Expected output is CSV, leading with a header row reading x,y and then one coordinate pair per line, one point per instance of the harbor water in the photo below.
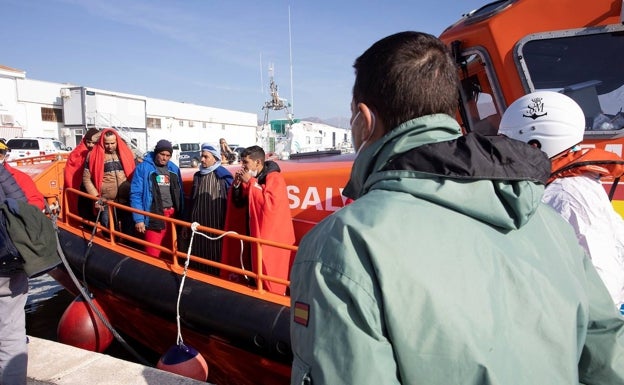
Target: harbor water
x,y
47,301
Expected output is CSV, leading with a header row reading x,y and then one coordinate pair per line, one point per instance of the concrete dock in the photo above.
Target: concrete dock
x,y
53,363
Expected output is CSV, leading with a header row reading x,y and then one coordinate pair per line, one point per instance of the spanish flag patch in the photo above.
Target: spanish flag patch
x,y
302,313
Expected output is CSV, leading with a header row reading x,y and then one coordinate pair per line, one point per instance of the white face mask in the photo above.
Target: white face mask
x,y
369,135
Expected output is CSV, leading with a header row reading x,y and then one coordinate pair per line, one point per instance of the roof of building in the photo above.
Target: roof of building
x,y
12,71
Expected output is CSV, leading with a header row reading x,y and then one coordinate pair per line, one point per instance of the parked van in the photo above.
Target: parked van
x,y
27,147
190,154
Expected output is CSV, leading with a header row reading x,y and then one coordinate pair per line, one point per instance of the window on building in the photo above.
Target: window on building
x,y
153,123
204,125
51,114
181,123
78,135
191,123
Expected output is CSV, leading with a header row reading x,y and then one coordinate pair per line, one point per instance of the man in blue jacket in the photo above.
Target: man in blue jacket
x,y
157,188
447,268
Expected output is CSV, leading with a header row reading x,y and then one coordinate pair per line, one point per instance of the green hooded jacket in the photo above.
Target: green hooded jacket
x,y
447,269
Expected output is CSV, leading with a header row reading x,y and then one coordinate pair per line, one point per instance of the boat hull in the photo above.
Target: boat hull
x,y
244,339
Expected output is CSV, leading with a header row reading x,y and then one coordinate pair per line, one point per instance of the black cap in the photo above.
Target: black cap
x,y
163,145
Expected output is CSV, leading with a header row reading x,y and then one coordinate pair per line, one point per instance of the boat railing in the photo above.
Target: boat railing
x,y
116,237
39,159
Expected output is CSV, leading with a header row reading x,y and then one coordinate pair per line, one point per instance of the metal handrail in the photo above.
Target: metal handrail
x,y
115,234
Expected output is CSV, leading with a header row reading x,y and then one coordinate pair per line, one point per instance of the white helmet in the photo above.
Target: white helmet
x,y
554,121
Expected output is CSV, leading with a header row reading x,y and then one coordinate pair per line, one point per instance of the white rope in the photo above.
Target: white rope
x,y
240,257
194,227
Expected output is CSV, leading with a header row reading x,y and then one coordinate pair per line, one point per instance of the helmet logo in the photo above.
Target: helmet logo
x,y
536,109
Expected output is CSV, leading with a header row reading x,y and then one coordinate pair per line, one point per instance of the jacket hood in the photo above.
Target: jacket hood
x,y
493,179
269,167
149,158
413,133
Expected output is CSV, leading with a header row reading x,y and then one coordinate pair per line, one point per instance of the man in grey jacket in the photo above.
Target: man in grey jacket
x,y
447,268
13,294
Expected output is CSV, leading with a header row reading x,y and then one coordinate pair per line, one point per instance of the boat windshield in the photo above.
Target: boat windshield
x,y
585,65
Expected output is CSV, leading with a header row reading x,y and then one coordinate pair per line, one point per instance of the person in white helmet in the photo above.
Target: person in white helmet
x,y
555,123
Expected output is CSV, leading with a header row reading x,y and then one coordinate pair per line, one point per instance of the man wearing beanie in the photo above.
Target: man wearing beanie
x,y
156,188
208,203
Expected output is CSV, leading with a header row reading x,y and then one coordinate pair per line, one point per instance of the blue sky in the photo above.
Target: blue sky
x,y
212,52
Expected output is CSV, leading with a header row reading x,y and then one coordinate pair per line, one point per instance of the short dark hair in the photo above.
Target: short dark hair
x,y
405,76
255,153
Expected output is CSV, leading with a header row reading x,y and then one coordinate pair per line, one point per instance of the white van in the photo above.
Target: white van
x,y
27,147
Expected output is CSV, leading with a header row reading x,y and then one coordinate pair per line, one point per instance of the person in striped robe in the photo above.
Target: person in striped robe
x,y
208,204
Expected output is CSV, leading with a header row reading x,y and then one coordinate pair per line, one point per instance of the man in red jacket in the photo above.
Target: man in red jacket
x,y
25,182
258,207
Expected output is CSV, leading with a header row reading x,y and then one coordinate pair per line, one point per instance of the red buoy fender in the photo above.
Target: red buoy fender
x,y
81,327
185,361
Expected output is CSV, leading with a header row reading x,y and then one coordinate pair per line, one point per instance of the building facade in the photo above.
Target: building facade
x,y
33,108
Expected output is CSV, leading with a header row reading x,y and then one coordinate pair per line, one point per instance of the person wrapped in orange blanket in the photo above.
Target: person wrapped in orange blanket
x,y
107,172
258,207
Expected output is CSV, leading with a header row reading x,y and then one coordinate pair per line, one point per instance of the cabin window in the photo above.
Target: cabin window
x,y
479,107
51,114
153,123
585,65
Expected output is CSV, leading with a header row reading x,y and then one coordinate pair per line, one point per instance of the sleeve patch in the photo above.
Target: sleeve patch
x,y
302,313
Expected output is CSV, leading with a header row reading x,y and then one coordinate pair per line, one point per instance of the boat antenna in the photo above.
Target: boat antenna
x,y
261,78
274,103
292,96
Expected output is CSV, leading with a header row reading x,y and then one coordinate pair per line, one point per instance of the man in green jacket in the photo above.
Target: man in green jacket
x,y
446,269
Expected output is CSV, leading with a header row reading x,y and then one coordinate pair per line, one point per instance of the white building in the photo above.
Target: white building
x,y
64,111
